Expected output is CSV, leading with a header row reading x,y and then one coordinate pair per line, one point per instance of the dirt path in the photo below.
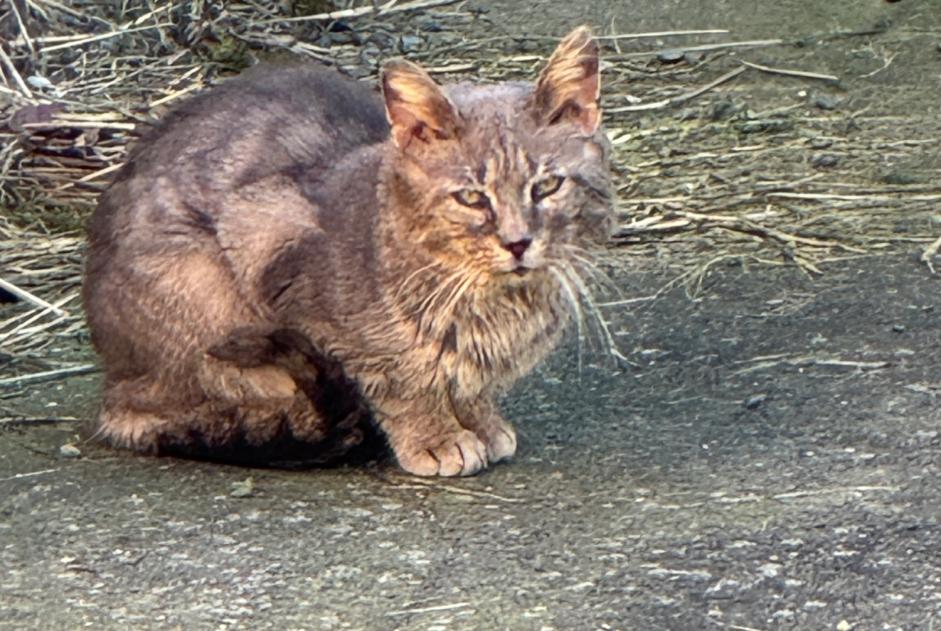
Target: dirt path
x,y
771,458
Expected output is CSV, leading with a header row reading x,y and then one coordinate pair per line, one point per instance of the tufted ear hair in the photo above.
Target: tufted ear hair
x,y
416,106
569,86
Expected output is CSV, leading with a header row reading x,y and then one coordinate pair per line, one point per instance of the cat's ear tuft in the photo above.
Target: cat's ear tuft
x,y
569,86
416,106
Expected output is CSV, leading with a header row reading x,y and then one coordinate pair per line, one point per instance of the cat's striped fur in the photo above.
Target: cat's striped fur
x,y
290,234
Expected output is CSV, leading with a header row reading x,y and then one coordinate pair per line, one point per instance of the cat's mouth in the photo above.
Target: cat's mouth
x,y
521,273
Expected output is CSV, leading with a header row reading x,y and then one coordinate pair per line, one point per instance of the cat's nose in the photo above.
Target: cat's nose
x,y
518,248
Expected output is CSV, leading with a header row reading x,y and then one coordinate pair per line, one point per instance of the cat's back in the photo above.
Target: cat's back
x,y
268,119
271,121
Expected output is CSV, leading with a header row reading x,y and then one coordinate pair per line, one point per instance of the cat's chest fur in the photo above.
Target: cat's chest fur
x,y
499,338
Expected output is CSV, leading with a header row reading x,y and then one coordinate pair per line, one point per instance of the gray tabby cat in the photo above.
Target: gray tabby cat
x,y
287,252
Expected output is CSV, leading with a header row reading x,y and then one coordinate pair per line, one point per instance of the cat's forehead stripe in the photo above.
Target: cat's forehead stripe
x,y
505,158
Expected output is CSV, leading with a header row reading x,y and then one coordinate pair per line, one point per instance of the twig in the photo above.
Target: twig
x,y
790,73
20,476
31,317
888,61
406,612
94,38
755,43
24,32
808,360
16,75
715,31
386,9
418,482
839,489
930,252
678,99
450,68
726,77
49,375
628,301
842,363
18,420
28,297
854,198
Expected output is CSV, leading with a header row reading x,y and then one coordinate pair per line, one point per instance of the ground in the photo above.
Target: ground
x,y
769,456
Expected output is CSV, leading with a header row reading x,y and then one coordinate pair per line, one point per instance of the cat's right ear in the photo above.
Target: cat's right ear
x,y
568,88
416,106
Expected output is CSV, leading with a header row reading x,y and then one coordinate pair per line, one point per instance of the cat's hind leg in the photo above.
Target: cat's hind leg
x,y
154,319
231,405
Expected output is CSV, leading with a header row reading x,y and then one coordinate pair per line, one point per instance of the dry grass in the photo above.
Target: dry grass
x,y
701,177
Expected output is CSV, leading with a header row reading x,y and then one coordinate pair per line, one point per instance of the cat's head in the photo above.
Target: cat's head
x,y
507,179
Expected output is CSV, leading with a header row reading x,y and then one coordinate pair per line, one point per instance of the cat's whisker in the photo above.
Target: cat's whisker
x,y
568,272
451,304
594,332
408,279
575,304
590,263
596,274
428,305
587,296
443,301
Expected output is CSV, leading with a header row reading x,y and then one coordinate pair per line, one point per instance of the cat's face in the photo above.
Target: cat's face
x,y
509,181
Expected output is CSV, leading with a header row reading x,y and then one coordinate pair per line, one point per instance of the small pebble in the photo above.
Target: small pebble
x,y
722,109
825,102
825,160
40,82
430,26
384,40
339,26
754,401
340,38
671,55
767,125
245,488
898,328
900,178
69,450
411,43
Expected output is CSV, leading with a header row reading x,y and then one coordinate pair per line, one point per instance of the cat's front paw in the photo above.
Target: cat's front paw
x,y
501,442
493,430
459,453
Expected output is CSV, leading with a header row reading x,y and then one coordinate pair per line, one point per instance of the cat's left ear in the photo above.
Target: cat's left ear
x,y
569,86
416,106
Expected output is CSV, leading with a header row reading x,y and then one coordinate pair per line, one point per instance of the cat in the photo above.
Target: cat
x,y
290,253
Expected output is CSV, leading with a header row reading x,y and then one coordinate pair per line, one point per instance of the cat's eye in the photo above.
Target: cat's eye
x,y
546,187
471,198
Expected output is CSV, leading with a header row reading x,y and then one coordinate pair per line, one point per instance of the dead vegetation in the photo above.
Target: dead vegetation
x,y
702,177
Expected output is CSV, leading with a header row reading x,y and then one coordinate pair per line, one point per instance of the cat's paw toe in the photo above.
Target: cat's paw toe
x,y
461,453
501,444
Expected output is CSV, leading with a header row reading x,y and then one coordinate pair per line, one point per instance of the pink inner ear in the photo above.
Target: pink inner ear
x,y
586,98
576,104
586,117
405,125
568,88
415,105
